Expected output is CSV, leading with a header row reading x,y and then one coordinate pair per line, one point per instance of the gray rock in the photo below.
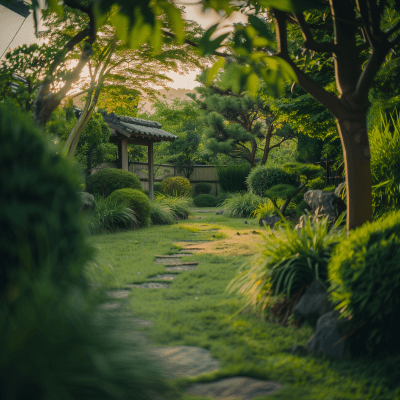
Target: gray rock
x,y
328,332
164,277
234,388
180,268
118,294
325,203
149,285
219,212
312,304
270,221
110,306
184,360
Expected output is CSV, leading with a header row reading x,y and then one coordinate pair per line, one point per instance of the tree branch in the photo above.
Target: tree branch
x,y
309,41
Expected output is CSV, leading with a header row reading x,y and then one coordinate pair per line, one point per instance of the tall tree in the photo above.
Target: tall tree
x,y
239,125
358,37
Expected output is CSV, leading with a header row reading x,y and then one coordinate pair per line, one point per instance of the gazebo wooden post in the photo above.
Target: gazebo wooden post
x,y
151,171
124,154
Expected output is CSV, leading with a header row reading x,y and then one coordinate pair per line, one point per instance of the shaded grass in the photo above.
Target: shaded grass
x,y
244,344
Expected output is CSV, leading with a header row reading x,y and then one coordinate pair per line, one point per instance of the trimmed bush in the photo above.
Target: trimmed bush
x,y
364,273
203,188
39,205
232,178
108,180
205,200
262,178
316,184
137,201
241,205
177,186
329,188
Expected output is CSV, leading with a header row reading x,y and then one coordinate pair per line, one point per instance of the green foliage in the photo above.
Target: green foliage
x,y
232,178
205,200
365,279
289,261
266,209
203,188
384,139
40,206
316,184
329,188
93,147
262,178
107,180
135,200
177,186
301,208
109,215
222,196
180,206
281,191
241,204
161,214
158,187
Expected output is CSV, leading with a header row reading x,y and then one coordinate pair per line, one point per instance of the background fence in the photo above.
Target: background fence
x,y
331,177
206,173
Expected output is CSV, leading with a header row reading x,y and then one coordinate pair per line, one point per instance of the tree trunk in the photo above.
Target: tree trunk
x,y
357,159
267,143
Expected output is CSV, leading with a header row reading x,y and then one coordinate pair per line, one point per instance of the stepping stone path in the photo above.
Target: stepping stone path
x,y
167,277
234,388
149,285
188,360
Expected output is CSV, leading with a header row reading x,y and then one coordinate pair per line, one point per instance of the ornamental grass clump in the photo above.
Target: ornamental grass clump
x,y
109,215
364,275
290,260
241,205
179,206
161,214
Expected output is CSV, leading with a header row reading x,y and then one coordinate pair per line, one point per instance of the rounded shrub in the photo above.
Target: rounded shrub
x,y
301,208
262,178
364,273
137,201
205,200
203,188
177,186
40,206
158,187
107,180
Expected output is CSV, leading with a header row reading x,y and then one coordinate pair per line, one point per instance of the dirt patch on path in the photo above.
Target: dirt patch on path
x,y
246,243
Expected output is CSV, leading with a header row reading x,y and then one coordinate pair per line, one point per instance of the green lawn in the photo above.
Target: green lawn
x,y
197,311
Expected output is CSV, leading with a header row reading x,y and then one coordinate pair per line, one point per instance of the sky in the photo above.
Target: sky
x,y
16,31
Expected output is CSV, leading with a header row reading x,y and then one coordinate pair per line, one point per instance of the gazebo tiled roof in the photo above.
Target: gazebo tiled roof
x,y
137,128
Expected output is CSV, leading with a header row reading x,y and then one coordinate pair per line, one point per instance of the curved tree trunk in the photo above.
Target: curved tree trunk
x,y
357,159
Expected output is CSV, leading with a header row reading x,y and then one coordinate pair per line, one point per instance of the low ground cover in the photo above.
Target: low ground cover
x,y
197,310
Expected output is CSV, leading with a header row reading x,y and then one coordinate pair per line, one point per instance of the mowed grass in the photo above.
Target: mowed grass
x,y
197,311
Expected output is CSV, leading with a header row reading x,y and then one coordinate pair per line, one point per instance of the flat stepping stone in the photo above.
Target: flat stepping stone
x,y
234,388
203,211
191,251
118,294
149,285
166,277
173,256
142,322
94,284
184,360
171,261
193,241
110,306
180,268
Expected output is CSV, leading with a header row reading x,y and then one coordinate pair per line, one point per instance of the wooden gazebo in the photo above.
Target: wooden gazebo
x,y
129,130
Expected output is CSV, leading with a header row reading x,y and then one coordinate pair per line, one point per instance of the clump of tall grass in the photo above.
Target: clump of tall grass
x,y
232,178
179,206
289,261
266,209
242,204
161,214
109,216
